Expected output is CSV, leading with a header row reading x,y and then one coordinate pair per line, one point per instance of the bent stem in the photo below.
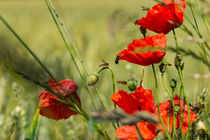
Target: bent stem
x,y
185,97
157,99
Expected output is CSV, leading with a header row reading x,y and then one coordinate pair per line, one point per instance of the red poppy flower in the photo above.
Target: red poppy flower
x,y
164,109
163,18
145,51
143,100
52,108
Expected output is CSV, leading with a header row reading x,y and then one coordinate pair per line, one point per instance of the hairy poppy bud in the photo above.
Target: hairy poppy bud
x,y
132,84
179,61
162,68
173,84
92,79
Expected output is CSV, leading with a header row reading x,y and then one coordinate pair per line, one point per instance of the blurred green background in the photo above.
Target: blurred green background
x,y
100,29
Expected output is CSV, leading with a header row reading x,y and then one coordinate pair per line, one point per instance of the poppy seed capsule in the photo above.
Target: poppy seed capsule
x,y
162,68
132,84
176,108
92,79
179,61
173,84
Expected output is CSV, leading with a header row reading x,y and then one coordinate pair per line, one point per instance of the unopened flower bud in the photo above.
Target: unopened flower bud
x,y
179,61
162,68
176,108
173,83
92,79
132,84
179,57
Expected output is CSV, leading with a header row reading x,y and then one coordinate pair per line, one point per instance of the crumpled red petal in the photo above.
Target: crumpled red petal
x,y
162,18
50,107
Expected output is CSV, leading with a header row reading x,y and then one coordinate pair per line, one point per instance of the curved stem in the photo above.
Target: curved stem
x,y
157,99
185,97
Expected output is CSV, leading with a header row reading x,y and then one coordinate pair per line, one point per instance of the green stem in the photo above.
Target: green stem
x,y
203,16
176,42
157,99
68,37
33,128
113,79
71,54
184,93
26,47
138,132
196,24
163,82
98,94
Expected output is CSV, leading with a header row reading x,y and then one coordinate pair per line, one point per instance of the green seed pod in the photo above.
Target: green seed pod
x,y
179,61
92,79
162,68
173,83
176,108
132,84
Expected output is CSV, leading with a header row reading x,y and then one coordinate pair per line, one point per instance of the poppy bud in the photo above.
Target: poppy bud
x,y
176,108
173,84
162,68
132,84
92,79
179,61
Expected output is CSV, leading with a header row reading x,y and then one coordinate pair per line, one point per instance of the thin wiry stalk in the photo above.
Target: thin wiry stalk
x,y
26,47
185,96
184,93
196,24
68,37
203,15
71,54
157,99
